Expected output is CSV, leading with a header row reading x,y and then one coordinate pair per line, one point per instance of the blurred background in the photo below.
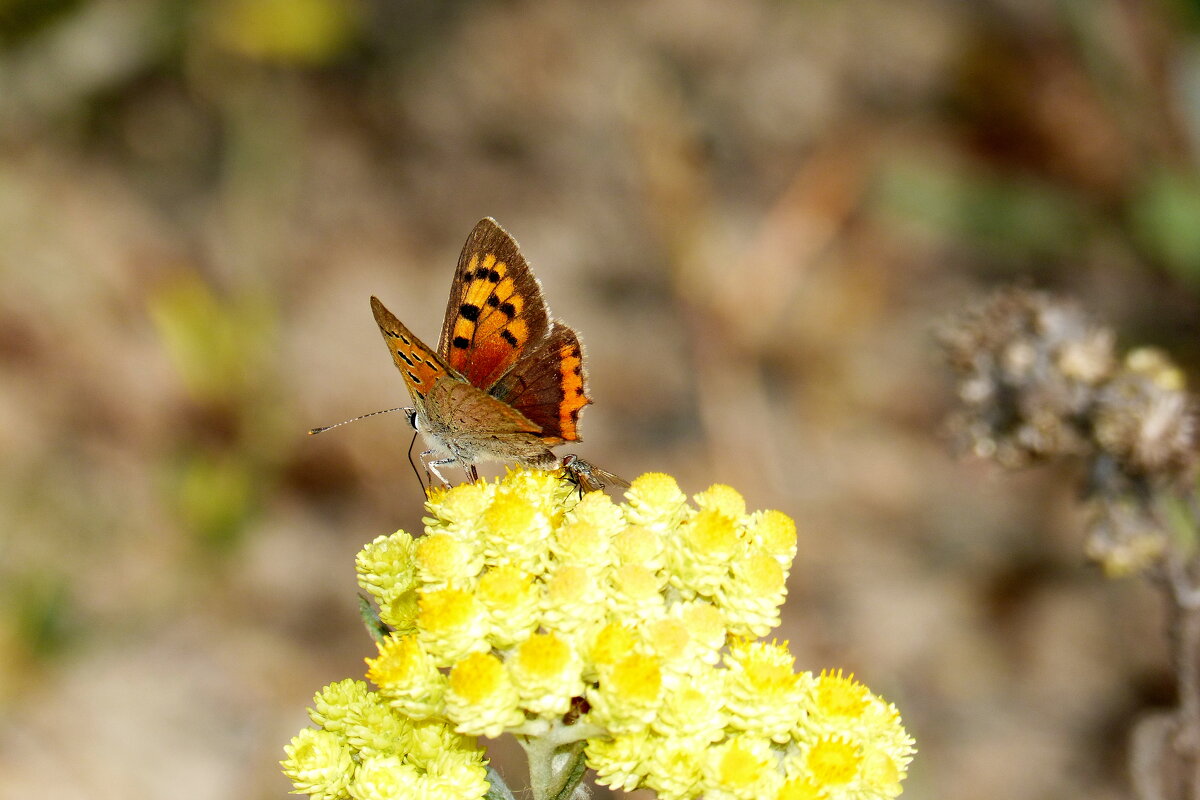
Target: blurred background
x,y
754,213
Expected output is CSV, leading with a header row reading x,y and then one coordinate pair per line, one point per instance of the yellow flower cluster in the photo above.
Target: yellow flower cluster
x,y
529,610
365,750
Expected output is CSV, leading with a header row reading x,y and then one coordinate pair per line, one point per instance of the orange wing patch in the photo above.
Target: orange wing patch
x,y
419,365
489,330
574,397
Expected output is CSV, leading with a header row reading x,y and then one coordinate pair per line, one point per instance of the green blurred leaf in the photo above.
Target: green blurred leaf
x,y
216,497
289,31
1007,216
22,18
378,629
218,346
42,611
1166,219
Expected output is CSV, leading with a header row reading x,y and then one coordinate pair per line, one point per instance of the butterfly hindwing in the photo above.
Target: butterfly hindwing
x,y
549,386
420,366
495,312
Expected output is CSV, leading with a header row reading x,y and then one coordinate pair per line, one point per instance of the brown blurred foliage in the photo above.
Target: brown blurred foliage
x,y
754,214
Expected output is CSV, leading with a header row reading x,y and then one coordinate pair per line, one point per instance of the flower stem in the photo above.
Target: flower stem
x,y
556,764
497,788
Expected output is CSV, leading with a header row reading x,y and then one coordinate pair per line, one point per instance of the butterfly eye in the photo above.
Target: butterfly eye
x,y
411,415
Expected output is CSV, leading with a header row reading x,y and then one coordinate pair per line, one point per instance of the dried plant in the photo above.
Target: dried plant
x,y
1037,380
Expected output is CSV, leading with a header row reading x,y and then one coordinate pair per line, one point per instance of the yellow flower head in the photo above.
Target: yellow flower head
x,y
742,768
375,752
407,676
386,567
628,694
527,609
763,692
320,764
443,559
546,671
723,500
654,500
339,705
511,601
481,699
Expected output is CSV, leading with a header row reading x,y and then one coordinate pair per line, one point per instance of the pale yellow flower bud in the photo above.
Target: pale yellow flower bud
x,y
546,671
407,676
752,595
481,700
514,529
742,768
762,692
512,602
619,760
385,567
444,560
702,551
385,778
654,501
628,695
339,704
636,544
450,624
722,499
319,764
574,599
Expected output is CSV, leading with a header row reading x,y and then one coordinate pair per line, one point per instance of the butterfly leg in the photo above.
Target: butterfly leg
x,y
472,473
431,467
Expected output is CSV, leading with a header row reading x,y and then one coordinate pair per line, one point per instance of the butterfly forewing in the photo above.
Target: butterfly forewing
x,y
495,312
549,386
420,366
465,408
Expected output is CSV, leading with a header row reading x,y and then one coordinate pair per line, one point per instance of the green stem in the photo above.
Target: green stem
x,y
556,762
498,789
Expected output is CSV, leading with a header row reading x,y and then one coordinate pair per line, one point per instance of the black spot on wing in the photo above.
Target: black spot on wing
x,y
469,311
493,301
507,336
461,342
415,377
407,360
508,310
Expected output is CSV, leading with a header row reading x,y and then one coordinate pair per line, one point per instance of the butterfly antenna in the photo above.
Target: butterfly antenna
x,y
315,431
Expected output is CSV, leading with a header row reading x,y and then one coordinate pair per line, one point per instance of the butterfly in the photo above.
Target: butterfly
x,y
587,476
506,382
